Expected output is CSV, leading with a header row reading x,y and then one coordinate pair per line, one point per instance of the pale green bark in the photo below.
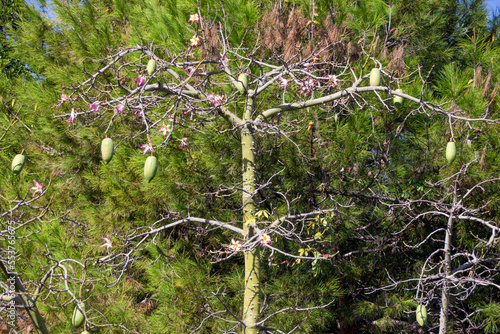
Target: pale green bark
x,y
33,312
251,304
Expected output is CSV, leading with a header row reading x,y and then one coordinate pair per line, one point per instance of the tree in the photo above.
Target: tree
x,y
338,185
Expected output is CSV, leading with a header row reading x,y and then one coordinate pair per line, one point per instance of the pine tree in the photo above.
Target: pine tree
x,y
289,194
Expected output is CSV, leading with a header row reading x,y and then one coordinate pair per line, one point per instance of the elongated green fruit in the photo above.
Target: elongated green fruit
x,y
451,152
375,77
107,149
151,66
398,100
78,317
85,332
242,83
150,168
18,163
421,315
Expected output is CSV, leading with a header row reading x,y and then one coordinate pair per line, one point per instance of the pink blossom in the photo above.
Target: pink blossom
x,y
120,108
307,85
183,142
191,55
95,106
147,147
194,18
108,244
165,129
333,80
72,116
63,99
195,40
224,60
265,239
37,188
141,79
190,70
216,99
283,82
235,245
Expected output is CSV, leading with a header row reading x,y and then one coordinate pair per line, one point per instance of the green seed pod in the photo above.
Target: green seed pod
x,y
85,332
451,152
398,100
78,315
150,168
375,77
242,83
107,149
421,315
151,66
18,163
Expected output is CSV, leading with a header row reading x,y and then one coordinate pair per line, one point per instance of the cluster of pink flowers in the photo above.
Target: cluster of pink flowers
x,y
216,99
307,86
147,147
38,188
95,106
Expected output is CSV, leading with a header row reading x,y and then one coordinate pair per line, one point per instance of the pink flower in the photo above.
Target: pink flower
x,y
95,106
216,99
194,18
108,244
64,98
120,108
235,245
183,142
224,60
191,55
72,116
165,129
333,80
307,85
141,79
190,70
37,188
283,82
265,239
147,147
195,40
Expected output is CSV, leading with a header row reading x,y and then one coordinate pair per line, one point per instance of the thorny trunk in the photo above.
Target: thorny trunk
x,y
445,296
252,285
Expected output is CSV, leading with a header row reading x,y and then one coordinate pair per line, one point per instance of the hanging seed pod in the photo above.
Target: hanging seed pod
x,y
107,149
421,315
150,168
242,83
151,66
398,100
375,77
451,152
18,163
78,315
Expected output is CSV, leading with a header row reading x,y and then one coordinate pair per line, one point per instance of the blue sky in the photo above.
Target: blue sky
x,y
492,4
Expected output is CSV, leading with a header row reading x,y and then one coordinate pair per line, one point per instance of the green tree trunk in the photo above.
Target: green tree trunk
x,y
252,284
